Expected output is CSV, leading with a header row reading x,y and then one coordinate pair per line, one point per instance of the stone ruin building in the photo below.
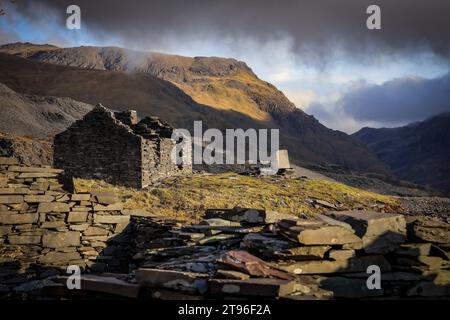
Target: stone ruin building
x,y
118,148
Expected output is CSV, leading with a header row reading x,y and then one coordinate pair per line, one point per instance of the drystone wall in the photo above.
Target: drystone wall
x,y
42,226
114,147
100,147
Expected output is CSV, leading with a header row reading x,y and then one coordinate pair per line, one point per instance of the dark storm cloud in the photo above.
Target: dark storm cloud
x,y
400,100
316,27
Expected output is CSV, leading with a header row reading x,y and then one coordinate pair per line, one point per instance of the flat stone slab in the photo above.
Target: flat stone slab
x,y
113,219
256,287
15,191
11,199
245,262
312,232
303,253
18,239
77,216
34,169
248,215
95,231
61,239
80,197
380,232
109,207
38,198
26,175
371,223
105,197
428,230
53,207
18,218
356,264
187,281
55,257
106,284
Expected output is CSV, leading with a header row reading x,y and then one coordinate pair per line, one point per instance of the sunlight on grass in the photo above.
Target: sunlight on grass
x,y
188,197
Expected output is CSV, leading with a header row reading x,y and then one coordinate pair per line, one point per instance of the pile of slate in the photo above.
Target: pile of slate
x,y
244,253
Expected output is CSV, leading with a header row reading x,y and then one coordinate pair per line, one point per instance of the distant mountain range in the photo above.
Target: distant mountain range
x,y
419,152
223,93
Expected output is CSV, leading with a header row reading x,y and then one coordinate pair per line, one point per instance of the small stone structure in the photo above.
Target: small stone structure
x,y
117,148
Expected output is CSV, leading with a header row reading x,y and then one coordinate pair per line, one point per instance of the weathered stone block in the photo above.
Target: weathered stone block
x,y
103,218
14,218
356,264
104,197
108,285
81,209
20,239
15,191
38,198
61,239
81,197
341,254
187,281
109,207
259,287
311,232
54,257
79,227
53,224
53,207
380,232
370,223
95,231
77,217
27,175
6,199
34,169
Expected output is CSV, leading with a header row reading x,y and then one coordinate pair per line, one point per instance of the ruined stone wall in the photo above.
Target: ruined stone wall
x,y
100,147
43,226
157,162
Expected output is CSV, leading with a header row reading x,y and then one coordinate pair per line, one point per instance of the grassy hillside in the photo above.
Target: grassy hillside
x,y
188,197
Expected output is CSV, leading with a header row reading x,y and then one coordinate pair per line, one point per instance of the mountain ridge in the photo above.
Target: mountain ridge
x,y
308,141
419,153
